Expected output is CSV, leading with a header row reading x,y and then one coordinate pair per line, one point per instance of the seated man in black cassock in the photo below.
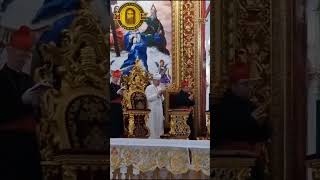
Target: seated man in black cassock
x,y
184,100
236,116
19,100
117,127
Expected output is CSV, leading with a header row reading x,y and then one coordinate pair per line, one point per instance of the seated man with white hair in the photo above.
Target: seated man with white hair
x,y
155,98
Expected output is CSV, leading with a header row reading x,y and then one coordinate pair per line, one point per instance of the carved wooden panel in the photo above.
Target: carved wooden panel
x,y
242,33
85,121
74,113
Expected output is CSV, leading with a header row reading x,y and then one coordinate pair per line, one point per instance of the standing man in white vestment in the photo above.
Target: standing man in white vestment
x,y
155,98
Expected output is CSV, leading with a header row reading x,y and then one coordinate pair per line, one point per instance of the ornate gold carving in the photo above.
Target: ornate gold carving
x,y
243,34
208,124
178,124
67,166
80,75
226,168
246,39
172,127
137,123
83,112
176,42
134,102
143,130
136,82
187,67
79,65
231,173
131,125
186,50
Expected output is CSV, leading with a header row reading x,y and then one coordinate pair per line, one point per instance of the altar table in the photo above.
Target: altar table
x,y
159,159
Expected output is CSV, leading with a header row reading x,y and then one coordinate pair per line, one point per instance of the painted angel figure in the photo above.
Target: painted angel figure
x,y
163,69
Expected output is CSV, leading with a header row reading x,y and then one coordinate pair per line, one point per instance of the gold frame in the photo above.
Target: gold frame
x,y
136,82
75,75
85,74
186,52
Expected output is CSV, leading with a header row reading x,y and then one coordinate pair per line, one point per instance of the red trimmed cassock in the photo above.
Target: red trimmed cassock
x,y
117,127
19,152
183,101
234,120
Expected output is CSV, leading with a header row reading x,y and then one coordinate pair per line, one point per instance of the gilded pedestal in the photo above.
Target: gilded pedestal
x,y
178,124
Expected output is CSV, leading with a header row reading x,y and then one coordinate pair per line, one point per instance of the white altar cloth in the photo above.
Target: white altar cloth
x,y
146,155
180,143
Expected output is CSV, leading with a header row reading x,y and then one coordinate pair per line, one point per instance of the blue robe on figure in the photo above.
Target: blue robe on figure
x,y
136,51
55,8
52,8
154,35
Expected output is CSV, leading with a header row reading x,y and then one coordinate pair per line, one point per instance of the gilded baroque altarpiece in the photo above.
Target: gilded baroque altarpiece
x,y
242,32
185,45
187,52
